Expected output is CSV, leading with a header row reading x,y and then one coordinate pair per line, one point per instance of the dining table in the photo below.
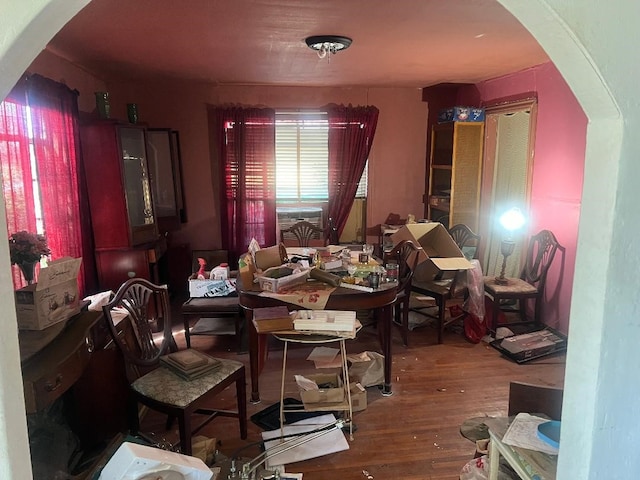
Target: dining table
x,y
317,295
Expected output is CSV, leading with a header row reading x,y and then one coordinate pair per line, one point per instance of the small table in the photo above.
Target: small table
x,y
528,464
301,337
341,298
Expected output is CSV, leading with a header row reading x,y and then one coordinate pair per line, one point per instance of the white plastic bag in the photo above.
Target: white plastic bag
x,y
476,469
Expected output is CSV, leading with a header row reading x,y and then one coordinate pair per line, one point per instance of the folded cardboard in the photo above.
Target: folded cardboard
x,y
134,461
53,299
330,389
439,251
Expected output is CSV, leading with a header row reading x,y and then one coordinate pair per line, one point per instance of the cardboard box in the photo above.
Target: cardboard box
x,y
210,288
358,397
272,279
333,394
132,460
439,251
246,270
53,299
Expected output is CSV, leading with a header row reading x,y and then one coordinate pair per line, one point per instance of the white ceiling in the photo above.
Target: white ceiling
x,y
403,43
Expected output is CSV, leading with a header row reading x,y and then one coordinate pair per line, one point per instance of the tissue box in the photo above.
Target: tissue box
x,y
139,461
53,299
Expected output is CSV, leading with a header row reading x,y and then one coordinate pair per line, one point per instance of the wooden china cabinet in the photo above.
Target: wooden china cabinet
x,y
124,225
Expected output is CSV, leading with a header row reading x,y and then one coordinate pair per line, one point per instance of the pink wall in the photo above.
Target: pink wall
x,y
558,170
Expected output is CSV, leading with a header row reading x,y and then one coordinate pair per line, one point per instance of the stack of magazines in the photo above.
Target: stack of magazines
x,y
190,364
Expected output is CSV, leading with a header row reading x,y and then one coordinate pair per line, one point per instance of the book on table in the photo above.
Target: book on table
x,y
272,319
190,364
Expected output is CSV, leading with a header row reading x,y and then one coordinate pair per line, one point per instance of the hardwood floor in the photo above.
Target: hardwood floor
x,y
413,434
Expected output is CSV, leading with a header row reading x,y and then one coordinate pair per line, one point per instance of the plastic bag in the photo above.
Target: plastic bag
x,y
476,469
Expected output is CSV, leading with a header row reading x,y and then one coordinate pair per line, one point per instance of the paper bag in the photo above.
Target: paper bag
x,y
367,368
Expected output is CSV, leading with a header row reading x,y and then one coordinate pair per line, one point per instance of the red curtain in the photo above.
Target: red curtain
x,y
55,141
351,131
243,142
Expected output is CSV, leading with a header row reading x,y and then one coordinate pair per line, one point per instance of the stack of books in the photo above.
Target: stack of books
x,y
190,364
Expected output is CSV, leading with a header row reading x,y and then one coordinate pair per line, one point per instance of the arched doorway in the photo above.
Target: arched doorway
x,y
29,27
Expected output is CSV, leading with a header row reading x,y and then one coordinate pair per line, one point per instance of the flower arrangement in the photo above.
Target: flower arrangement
x,y
27,247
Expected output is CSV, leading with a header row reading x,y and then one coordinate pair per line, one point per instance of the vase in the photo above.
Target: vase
x,y
102,104
28,270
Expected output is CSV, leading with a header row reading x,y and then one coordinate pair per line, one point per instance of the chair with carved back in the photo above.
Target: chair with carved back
x,y
443,290
405,254
531,284
303,234
131,315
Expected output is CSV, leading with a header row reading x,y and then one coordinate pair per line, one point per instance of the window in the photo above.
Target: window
x,y
302,167
38,141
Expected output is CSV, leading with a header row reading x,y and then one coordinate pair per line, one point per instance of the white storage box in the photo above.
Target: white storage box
x,y
53,299
210,288
132,462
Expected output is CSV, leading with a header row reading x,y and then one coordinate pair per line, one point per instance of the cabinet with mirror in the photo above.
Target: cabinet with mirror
x,y
124,225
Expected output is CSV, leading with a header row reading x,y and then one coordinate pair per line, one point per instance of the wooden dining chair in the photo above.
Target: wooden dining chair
x,y
529,286
302,233
405,253
137,306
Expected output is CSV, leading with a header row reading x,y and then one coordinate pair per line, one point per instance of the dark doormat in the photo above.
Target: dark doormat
x,y
269,418
529,346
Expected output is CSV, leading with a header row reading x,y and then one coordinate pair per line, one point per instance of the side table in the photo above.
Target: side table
x,y
299,337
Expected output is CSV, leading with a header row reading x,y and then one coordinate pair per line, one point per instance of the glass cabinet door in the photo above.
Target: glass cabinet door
x,y
136,178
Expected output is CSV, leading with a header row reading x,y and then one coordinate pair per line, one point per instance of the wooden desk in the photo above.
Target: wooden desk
x,y
528,464
51,371
341,299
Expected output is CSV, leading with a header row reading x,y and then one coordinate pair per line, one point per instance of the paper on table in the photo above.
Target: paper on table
x,y
523,432
331,442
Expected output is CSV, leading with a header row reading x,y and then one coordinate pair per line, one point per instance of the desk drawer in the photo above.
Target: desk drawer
x,y
42,391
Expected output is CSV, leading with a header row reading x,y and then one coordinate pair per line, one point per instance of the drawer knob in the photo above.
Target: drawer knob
x,y
52,387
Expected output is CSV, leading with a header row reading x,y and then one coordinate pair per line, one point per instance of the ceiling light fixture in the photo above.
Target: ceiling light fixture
x,y
327,44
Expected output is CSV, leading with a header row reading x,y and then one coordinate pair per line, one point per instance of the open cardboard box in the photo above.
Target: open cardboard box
x,y
53,299
439,251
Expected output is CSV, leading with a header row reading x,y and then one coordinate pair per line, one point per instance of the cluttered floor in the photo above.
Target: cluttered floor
x,y
413,434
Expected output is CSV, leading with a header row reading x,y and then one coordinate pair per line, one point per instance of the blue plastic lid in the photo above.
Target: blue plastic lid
x,y
549,432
